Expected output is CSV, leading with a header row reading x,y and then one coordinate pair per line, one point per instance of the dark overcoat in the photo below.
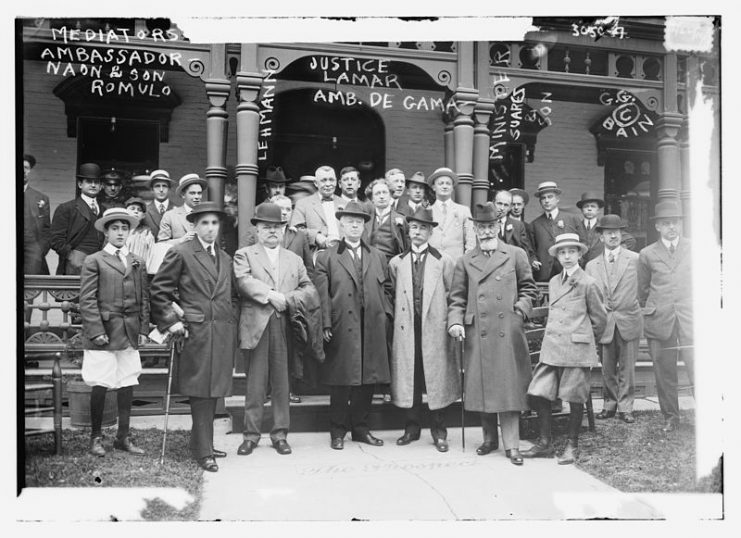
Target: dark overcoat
x,y
483,297
591,239
71,223
544,236
114,300
36,232
209,299
351,360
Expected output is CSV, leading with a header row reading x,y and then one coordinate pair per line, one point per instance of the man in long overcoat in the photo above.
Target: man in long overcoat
x,y
492,293
355,291
423,356
198,276
36,224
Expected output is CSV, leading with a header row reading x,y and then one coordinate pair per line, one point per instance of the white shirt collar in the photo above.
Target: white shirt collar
x,y
346,199
417,250
110,249
188,209
554,213
615,252
351,244
166,203
89,201
570,272
667,244
206,245
383,212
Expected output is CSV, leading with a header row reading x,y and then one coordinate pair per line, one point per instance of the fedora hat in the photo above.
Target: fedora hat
x,y
301,186
189,179
590,196
610,222
440,172
116,213
519,192
485,213
417,177
136,200
547,186
352,209
89,171
205,207
269,213
667,210
160,175
274,174
567,240
423,215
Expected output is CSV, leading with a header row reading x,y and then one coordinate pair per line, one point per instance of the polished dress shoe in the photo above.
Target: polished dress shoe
x,y
605,414
96,447
486,447
628,417
246,448
671,425
126,445
338,443
282,447
208,464
514,456
441,445
568,456
407,438
218,453
367,438
540,449
294,398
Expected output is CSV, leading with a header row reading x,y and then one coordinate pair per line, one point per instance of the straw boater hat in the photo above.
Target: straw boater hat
x,y
485,213
116,213
590,196
423,215
136,200
274,174
160,175
189,179
205,207
610,222
352,209
440,172
567,240
519,192
547,186
269,213
667,210
89,171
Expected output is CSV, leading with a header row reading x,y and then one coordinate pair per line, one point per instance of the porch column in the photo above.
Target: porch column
x,y
448,140
667,150
217,90
464,99
482,115
249,81
684,193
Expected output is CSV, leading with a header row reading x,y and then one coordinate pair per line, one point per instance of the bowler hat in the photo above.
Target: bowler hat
x,y
590,196
547,186
116,213
160,175
189,179
485,213
440,172
417,177
352,209
567,240
423,215
30,159
274,174
667,210
136,200
519,192
205,207
610,222
89,171
269,213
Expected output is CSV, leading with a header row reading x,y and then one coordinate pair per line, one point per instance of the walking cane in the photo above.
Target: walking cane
x,y
463,397
173,346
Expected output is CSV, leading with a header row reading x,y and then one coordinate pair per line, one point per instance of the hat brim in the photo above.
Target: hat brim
x,y
600,202
411,218
102,221
599,228
95,178
193,215
433,177
365,216
169,181
418,182
676,216
581,246
538,194
255,220
200,181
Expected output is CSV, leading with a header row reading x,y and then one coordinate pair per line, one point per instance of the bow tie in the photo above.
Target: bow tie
x,y
327,199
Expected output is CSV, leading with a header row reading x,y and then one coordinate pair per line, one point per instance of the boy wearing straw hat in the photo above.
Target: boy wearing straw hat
x,y
114,304
576,321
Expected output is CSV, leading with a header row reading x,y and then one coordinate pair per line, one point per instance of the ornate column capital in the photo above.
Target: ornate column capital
x,y
217,91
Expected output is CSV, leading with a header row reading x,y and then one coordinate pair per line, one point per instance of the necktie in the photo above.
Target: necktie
x,y
211,252
162,209
588,225
672,249
501,229
445,209
550,217
611,257
120,257
418,256
564,276
94,207
357,261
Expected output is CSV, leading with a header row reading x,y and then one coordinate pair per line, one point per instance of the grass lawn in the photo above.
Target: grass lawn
x,y
76,468
639,457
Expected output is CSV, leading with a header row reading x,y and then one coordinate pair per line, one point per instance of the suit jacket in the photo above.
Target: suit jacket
x,y
592,239
665,290
350,361
36,232
402,207
454,233
621,294
309,214
207,293
485,295
255,278
174,225
297,241
114,300
544,235
71,223
153,218
399,233
515,234
576,321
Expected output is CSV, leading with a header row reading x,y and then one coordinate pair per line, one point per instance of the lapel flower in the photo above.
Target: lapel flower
x,y
135,264
559,224
399,221
508,227
571,281
41,204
